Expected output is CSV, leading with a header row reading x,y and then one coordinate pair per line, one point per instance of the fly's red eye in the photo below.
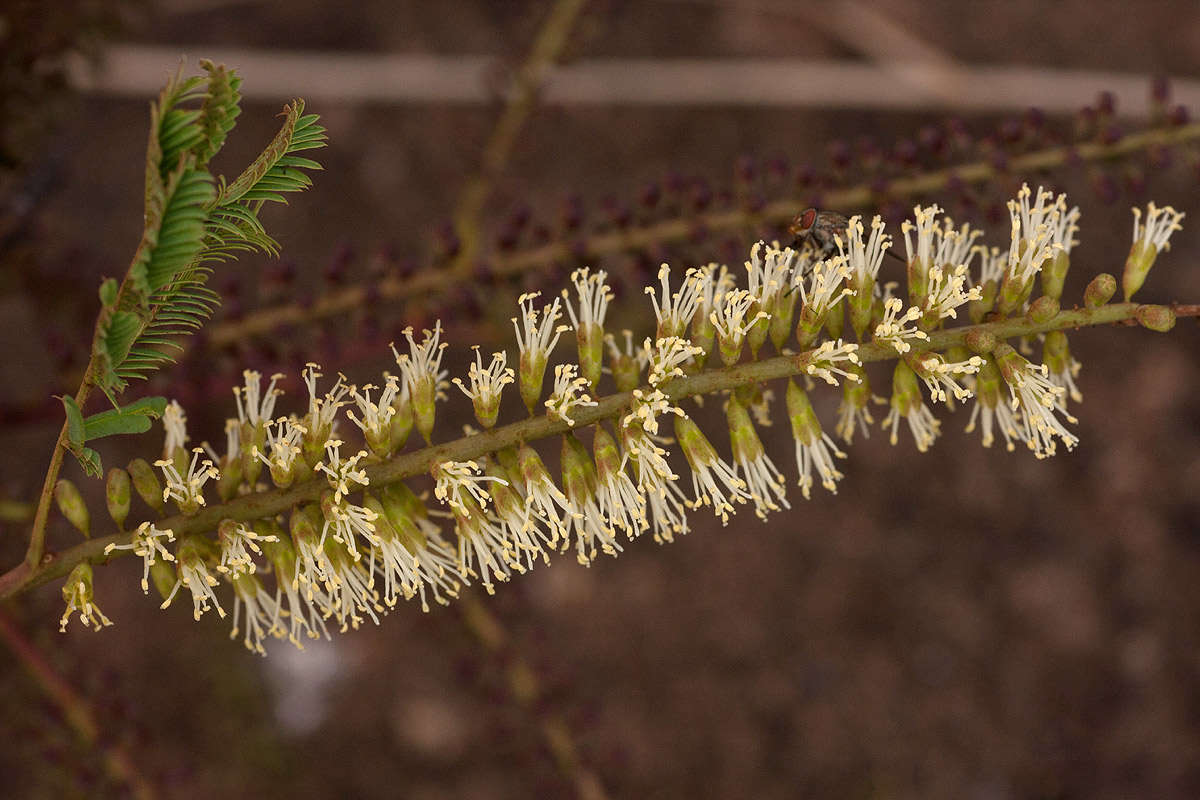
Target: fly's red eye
x,y
807,220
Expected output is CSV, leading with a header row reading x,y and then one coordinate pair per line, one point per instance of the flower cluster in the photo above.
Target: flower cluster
x,y
361,540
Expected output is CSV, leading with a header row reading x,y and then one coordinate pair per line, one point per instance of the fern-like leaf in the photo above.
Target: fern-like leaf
x,y
219,112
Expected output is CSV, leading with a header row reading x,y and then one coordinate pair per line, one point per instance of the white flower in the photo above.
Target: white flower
x,y
346,522
258,611
938,375
814,448
376,418
187,491
1065,227
486,385
284,445
350,590
457,480
675,311
570,392
543,499
823,362
769,274
77,594
616,495
924,426
480,539
1160,224
824,286
926,228
1037,399
594,297
175,425
193,574
344,476
147,542
536,340
714,483
1033,230
322,410
645,408
666,356
895,327
666,504
763,481
253,404
955,247
864,259
592,529
948,290
237,542
992,264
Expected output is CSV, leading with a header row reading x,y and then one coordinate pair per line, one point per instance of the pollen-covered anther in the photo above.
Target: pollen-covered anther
x,y
147,542
570,392
896,328
826,362
666,357
486,385
814,447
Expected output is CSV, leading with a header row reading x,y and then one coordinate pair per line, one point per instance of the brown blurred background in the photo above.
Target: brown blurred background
x,y
965,623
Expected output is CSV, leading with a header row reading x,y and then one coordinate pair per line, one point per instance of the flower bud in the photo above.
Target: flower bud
x,y
251,436
782,308
1156,318
117,494
1056,353
835,321
401,508
71,504
1054,273
590,337
146,483
626,372
608,457
981,342
978,309
402,420
230,478
578,472
164,577
1042,310
1100,290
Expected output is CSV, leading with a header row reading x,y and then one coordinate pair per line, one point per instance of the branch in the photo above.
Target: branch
x,y
269,503
346,299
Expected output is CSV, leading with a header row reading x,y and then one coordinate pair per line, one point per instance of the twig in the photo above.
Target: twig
x,y
343,300
76,710
547,47
406,465
526,689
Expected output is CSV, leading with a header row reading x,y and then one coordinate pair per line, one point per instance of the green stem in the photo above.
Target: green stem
x,y
423,283
276,501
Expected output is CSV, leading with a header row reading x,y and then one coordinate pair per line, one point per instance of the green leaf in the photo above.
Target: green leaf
x,y
133,418
75,426
89,459
220,110
108,291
